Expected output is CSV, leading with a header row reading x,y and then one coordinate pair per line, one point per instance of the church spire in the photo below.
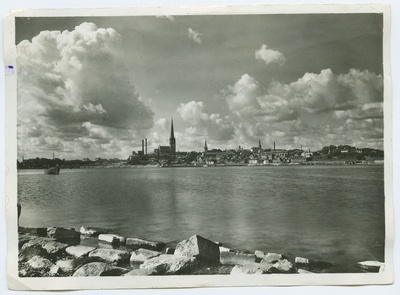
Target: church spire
x,y
205,145
172,141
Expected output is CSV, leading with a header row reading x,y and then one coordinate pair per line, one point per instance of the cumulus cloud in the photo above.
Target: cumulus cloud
x,y
270,56
293,112
194,35
212,126
76,86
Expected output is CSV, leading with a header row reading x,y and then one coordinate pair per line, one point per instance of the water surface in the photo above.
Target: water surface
x,y
322,212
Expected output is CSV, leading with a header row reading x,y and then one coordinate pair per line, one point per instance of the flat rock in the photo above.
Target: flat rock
x,y
311,265
68,264
231,258
112,239
272,258
50,245
224,249
71,264
141,255
281,266
199,247
93,269
111,255
137,243
54,247
28,251
371,266
63,234
250,268
166,264
39,262
79,251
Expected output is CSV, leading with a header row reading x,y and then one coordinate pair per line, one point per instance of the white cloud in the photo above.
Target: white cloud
x,y
295,112
212,126
194,35
270,56
69,79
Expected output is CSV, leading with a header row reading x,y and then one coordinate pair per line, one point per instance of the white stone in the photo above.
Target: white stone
x,y
39,262
79,251
110,255
112,239
166,264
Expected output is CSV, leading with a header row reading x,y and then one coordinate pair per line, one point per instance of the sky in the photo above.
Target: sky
x,y
95,86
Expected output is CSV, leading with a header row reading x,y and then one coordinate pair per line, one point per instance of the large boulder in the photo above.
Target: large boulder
x,y
141,255
54,247
136,243
114,272
311,265
111,239
281,266
79,251
199,247
28,251
111,255
250,268
70,264
39,262
371,266
23,239
272,258
50,245
166,264
98,269
231,258
63,234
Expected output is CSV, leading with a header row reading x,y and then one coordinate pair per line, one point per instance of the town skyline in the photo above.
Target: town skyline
x,y
97,86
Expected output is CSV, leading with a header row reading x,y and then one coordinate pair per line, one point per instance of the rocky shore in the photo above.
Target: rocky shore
x,y
62,252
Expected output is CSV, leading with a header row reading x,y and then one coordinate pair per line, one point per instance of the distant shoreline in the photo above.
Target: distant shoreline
x,y
200,165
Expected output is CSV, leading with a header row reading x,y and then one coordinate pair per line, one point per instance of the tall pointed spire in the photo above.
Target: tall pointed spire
x,y
172,141
205,145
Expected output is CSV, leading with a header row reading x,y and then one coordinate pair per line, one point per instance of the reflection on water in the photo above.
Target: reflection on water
x,y
323,212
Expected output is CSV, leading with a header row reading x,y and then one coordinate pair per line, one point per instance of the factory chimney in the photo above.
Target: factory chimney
x,y
274,146
142,146
145,140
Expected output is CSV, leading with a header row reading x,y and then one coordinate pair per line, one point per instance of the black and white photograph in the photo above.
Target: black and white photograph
x,y
239,144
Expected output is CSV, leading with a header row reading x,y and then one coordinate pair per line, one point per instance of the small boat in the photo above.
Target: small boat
x,y
52,170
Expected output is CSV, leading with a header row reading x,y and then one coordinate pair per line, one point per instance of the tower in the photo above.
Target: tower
x,y
259,145
205,145
172,142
